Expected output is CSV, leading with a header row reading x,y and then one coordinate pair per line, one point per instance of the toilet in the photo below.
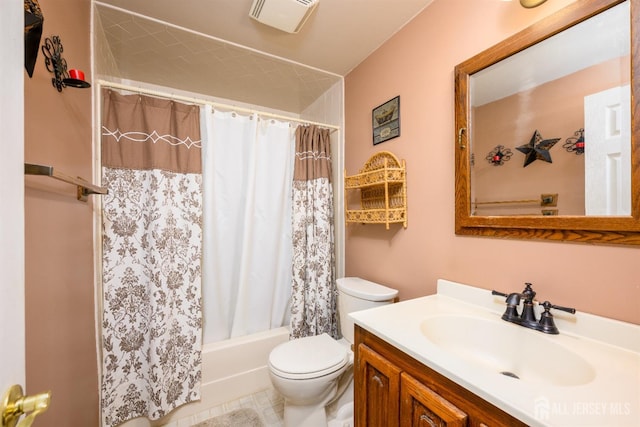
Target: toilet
x,y
313,373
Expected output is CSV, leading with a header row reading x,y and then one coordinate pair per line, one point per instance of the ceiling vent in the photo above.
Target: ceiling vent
x,y
285,15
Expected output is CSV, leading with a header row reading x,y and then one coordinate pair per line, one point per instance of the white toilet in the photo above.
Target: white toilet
x,y
314,372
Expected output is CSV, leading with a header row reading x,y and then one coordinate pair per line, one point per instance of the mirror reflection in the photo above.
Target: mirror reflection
x,y
550,125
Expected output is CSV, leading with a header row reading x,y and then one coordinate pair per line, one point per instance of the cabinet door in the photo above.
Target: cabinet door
x,y
422,407
378,386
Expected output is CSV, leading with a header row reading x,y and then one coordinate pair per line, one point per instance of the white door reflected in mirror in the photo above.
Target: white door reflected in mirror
x,y
607,155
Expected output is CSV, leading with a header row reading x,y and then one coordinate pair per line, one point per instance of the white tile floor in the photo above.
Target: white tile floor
x,y
268,403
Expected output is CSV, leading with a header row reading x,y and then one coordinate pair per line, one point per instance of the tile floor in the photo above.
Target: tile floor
x,y
268,403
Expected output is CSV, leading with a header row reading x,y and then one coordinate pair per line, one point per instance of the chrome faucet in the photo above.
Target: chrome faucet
x,y
527,317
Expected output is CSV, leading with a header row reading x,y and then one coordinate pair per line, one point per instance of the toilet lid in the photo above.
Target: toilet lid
x,y
308,357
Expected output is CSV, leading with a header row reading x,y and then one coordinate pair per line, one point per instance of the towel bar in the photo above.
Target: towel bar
x,y
84,188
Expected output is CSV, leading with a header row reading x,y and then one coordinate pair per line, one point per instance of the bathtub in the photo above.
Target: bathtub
x,y
230,369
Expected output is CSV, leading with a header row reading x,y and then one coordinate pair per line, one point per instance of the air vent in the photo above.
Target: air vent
x,y
285,15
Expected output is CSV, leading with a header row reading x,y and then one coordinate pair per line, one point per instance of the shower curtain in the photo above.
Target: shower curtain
x,y
226,215
151,323
247,251
314,293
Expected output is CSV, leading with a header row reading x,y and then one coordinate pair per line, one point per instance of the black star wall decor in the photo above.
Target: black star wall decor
x,y
537,149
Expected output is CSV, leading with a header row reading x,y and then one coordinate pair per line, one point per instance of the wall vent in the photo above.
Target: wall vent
x,y
285,15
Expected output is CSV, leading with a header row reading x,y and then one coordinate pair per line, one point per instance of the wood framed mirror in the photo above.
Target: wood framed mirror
x,y
513,96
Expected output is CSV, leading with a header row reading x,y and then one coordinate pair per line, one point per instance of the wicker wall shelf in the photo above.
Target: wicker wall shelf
x,y
382,184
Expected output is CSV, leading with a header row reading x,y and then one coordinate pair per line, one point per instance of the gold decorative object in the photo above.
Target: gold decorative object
x,y
14,404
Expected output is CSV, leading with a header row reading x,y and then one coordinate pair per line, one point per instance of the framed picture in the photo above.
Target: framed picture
x,y
386,121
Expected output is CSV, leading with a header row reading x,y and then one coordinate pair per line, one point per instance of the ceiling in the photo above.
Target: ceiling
x,y
213,47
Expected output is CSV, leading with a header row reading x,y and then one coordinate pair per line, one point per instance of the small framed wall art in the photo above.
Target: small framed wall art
x,y
386,121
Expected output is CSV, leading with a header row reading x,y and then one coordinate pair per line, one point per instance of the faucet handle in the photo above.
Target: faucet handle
x,y
546,323
558,307
502,294
528,293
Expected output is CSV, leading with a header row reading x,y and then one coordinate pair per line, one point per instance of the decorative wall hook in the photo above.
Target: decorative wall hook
x,y
499,155
575,144
52,50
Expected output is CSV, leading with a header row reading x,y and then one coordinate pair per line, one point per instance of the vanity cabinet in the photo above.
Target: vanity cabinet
x,y
393,389
382,187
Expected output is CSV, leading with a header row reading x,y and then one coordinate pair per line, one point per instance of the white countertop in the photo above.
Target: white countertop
x,y
612,348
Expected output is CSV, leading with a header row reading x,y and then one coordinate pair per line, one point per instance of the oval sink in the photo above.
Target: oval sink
x,y
507,349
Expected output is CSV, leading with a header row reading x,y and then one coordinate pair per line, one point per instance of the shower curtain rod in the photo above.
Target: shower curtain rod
x,y
213,104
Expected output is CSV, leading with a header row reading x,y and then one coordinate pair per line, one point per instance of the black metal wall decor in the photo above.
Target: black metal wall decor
x,y
575,144
52,50
499,155
33,20
537,149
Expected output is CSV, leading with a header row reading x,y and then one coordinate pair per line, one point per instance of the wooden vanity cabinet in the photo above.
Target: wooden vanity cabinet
x,y
393,389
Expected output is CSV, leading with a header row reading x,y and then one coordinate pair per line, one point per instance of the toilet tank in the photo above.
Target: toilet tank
x,y
355,294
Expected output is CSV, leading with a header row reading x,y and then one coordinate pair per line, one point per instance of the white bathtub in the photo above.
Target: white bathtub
x,y
238,367
230,369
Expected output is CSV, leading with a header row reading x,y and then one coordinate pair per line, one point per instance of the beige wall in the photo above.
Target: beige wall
x,y
417,64
60,325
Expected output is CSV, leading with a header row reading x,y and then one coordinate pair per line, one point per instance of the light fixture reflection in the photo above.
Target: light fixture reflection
x,y
531,3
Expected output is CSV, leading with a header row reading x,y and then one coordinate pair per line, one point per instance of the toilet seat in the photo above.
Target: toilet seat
x,y
309,357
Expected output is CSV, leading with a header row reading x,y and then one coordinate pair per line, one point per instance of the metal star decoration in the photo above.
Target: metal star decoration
x,y
537,149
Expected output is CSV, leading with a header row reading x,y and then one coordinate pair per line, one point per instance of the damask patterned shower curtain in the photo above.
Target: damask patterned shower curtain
x,y
314,293
152,216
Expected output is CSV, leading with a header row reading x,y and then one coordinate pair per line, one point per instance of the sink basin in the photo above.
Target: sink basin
x,y
507,349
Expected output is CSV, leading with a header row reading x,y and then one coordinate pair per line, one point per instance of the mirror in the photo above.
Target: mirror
x,y
546,131
562,88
